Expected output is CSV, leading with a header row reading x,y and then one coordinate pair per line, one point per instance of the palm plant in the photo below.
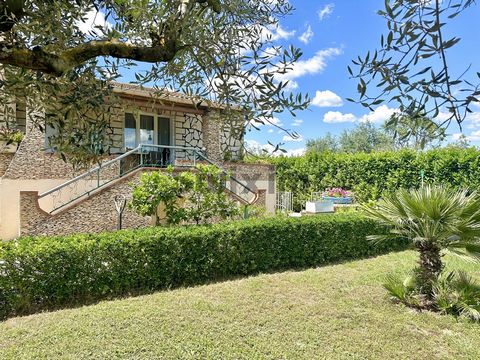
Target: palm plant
x,y
434,219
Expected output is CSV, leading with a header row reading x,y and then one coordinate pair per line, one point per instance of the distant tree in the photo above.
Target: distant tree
x,y
365,137
461,143
328,142
414,130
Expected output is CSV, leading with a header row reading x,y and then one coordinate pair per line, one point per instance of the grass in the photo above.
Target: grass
x,y
333,312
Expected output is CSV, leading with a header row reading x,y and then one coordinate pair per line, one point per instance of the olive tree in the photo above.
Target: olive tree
x,y
411,68
213,50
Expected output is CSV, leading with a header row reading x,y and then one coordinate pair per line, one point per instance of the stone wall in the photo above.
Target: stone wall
x,y
188,133
97,213
251,173
231,140
212,126
5,160
186,127
91,215
190,129
258,177
31,161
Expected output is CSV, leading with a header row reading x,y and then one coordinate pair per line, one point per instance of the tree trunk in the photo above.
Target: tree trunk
x,y
430,269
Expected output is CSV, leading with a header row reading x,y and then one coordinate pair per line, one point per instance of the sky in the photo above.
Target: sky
x,y
331,34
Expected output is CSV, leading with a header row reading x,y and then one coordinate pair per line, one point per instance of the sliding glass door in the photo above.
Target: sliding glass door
x,y
146,129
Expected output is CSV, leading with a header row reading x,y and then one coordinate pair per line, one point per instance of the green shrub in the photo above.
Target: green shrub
x,y
201,195
39,273
372,175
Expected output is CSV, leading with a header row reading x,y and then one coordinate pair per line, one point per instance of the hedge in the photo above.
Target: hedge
x,y
371,175
45,273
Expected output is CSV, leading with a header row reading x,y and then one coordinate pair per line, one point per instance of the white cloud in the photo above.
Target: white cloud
x,y
307,35
295,152
314,65
276,33
94,21
379,115
472,121
269,121
474,136
297,122
274,121
336,117
456,136
442,116
326,11
255,146
291,85
270,131
288,138
327,98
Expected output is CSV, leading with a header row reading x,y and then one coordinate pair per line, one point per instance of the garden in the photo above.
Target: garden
x,y
348,267
382,257
205,239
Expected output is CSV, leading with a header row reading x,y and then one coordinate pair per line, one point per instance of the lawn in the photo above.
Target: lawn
x,y
338,311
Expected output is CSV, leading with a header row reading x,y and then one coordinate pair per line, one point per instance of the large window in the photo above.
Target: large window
x,y
146,129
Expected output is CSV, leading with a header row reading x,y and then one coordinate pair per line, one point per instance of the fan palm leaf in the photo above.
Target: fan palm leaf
x,y
434,219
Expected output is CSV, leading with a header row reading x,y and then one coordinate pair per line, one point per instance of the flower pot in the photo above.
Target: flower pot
x,y
315,207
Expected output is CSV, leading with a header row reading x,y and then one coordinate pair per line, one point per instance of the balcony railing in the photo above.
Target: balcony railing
x,y
143,156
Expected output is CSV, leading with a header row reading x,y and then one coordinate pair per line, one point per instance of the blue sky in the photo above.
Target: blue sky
x,y
331,34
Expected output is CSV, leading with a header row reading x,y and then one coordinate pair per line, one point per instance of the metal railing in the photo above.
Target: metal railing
x,y
143,156
284,202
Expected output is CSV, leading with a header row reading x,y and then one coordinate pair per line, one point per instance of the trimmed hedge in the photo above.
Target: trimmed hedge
x,y
44,273
370,175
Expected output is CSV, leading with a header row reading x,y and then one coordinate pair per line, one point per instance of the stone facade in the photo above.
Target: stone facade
x,y
92,215
192,128
32,169
31,161
97,213
212,137
5,160
252,173
188,131
259,178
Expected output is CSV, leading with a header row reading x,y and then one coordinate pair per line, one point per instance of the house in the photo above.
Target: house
x,y
42,195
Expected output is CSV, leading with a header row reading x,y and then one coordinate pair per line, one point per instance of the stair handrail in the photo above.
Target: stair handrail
x,y
225,172
89,172
139,149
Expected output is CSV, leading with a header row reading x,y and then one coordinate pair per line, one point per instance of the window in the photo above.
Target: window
x,y
50,133
163,127
146,129
130,131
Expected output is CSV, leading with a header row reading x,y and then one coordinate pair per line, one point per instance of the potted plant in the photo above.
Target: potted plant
x,y
337,196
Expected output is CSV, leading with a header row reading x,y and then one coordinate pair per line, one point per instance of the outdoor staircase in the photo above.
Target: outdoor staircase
x,y
142,157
